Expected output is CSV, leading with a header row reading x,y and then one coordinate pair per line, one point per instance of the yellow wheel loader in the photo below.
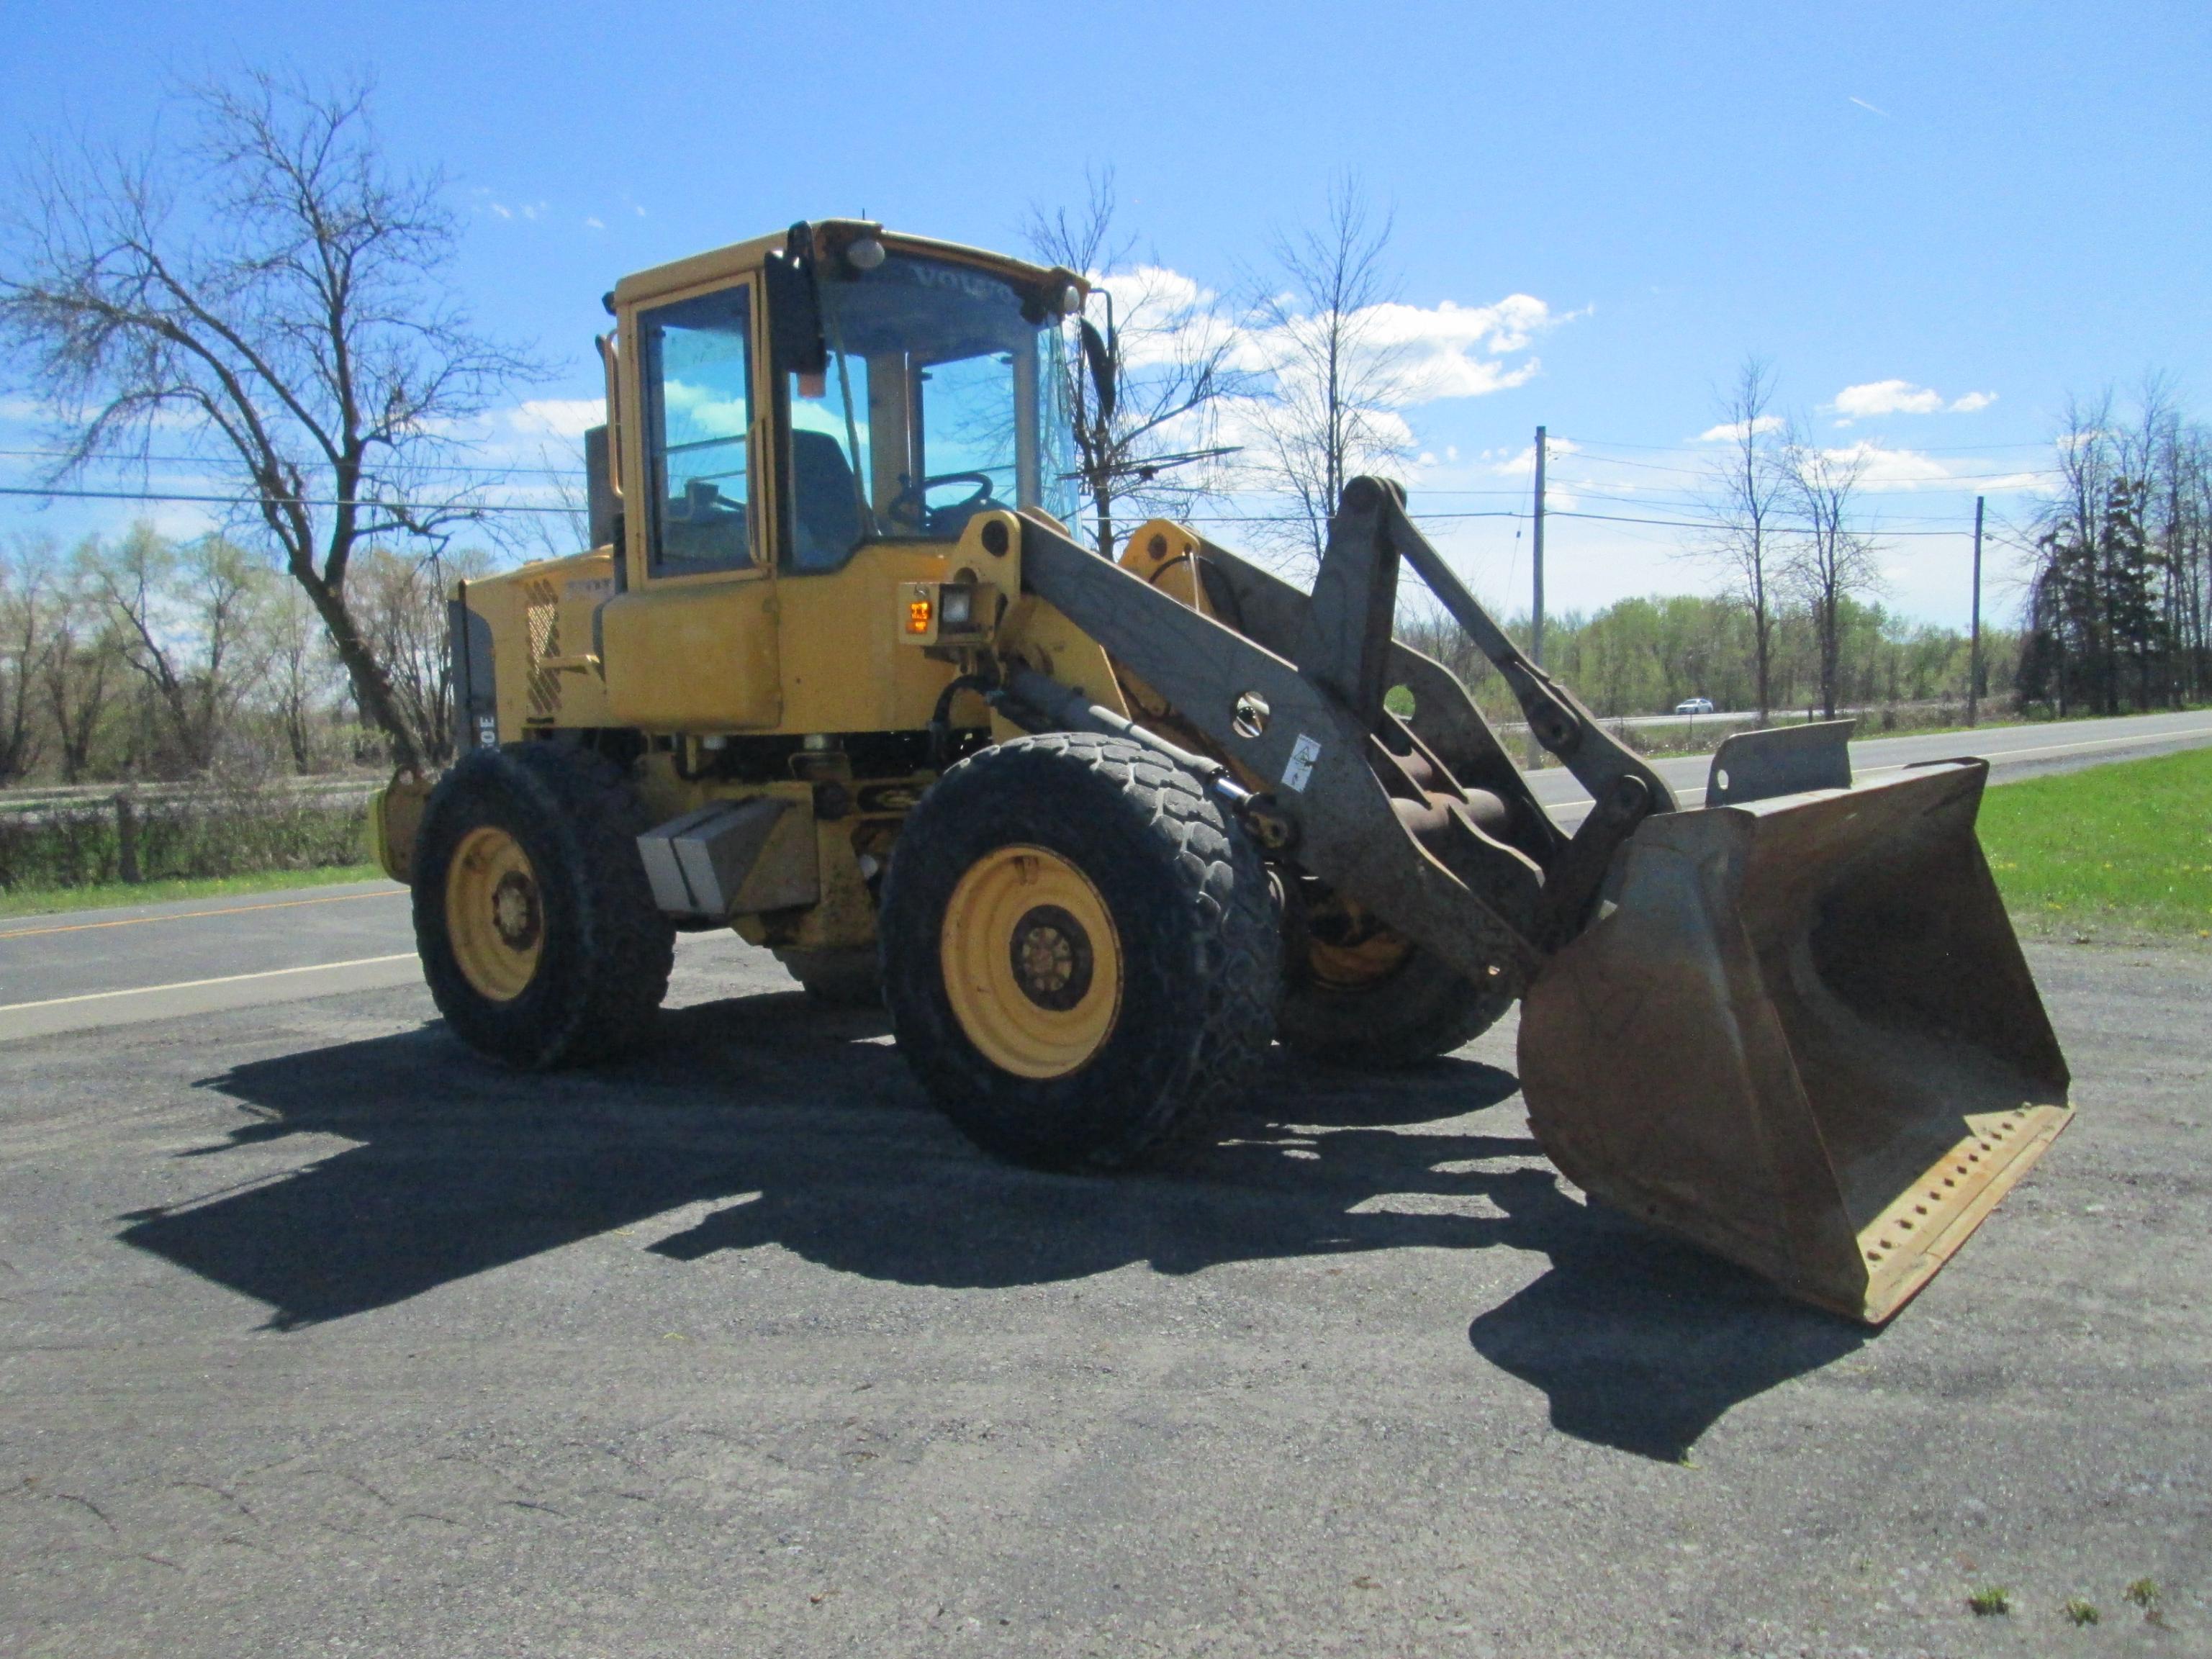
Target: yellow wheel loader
x,y
1098,829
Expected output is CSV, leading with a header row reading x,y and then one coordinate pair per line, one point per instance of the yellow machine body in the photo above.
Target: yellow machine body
x,y
1797,1030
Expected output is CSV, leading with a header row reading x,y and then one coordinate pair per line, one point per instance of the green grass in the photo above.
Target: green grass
x,y
2111,852
1990,1599
32,902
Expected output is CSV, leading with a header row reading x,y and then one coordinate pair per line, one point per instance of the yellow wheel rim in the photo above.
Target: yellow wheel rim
x,y
1032,962
494,917
1348,950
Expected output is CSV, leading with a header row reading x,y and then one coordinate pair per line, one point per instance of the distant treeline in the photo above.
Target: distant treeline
x,y
2119,613
147,658
1643,656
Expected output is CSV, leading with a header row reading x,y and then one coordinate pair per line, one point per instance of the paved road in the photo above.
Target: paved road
x,y
2014,752
321,1337
92,969
84,968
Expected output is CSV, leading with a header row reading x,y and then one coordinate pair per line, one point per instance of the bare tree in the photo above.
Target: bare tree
x,y
187,617
1336,383
28,603
298,673
1747,496
275,294
1832,560
83,663
1166,355
403,612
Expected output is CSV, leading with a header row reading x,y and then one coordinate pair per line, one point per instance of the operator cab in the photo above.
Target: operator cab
x,y
909,385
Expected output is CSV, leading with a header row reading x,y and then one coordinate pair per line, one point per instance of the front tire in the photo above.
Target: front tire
x,y
1080,953
534,917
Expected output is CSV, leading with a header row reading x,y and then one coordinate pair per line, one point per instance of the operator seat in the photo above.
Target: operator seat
x,y
825,519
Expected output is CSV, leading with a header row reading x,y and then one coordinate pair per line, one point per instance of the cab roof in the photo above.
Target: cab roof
x,y
739,257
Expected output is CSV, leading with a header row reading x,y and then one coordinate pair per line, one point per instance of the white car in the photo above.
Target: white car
x,y
1694,706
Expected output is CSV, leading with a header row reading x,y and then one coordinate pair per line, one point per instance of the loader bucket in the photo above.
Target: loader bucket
x,y
1805,1037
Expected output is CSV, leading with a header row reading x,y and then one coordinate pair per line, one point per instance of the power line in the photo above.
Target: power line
x,y
281,501
1584,490
1717,524
218,461
1684,449
1941,479
472,510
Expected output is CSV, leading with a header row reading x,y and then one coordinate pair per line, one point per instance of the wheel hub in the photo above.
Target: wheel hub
x,y
1051,958
495,917
1032,962
514,910
1347,949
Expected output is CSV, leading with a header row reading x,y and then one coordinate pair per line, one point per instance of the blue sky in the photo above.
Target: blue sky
x,y
1978,201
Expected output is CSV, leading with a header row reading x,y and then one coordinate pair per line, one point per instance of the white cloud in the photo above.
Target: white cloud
x,y
1886,469
1876,397
1435,352
1422,354
594,224
1522,462
558,417
1883,468
1732,431
1859,403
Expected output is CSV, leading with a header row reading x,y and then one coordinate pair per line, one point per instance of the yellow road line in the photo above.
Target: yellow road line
x,y
193,984
193,915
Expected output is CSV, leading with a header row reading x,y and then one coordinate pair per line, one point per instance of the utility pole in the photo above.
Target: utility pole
x,y
1536,619
1974,645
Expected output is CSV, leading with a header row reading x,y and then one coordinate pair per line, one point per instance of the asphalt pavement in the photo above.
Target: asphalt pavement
x,y
2013,751
77,970
322,1337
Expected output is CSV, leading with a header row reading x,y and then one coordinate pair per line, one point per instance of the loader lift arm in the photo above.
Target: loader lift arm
x,y
1294,693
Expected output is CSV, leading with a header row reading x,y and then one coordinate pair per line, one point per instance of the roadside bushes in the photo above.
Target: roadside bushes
x,y
125,838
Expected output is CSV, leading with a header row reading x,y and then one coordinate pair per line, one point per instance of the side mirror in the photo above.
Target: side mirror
x,y
794,310
1100,357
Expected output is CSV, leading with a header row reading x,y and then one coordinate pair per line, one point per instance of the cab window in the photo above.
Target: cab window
x,y
698,355
940,399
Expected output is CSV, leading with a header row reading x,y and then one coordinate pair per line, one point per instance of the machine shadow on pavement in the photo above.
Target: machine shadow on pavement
x,y
802,1127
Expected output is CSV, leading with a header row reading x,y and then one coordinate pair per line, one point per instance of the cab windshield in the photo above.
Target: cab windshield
x,y
940,399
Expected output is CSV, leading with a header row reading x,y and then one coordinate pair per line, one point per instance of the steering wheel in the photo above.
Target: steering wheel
x,y
911,505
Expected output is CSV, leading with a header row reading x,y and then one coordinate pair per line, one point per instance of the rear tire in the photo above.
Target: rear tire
x,y
1080,953
1361,994
533,916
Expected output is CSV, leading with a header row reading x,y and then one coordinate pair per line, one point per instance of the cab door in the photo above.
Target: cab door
x,y
691,646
